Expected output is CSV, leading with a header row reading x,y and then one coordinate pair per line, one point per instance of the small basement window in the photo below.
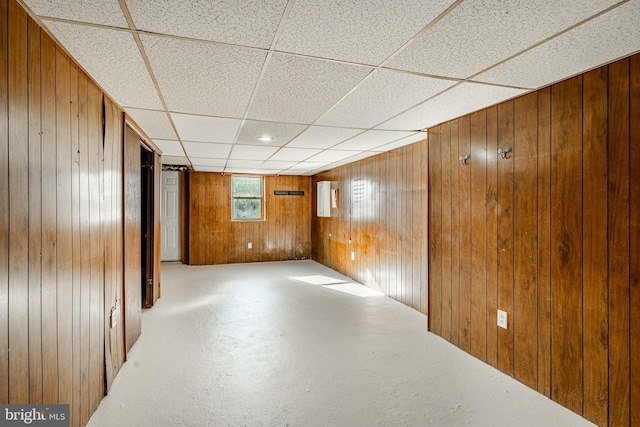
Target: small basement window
x,y
247,198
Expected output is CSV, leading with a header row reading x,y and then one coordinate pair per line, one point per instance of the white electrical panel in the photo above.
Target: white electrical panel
x,y
324,198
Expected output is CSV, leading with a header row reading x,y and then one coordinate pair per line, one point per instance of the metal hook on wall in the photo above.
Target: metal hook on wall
x,y
464,160
504,152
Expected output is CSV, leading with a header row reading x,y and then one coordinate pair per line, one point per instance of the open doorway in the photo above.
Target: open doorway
x,y
147,202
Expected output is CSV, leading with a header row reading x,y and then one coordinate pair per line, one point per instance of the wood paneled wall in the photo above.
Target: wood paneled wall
x,y
550,235
382,218
60,224
212,237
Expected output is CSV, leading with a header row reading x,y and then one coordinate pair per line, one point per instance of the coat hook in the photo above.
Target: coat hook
x,y
464,160
504,152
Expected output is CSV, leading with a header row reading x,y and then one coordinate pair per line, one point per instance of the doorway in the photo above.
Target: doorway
x,y
147,202
170,216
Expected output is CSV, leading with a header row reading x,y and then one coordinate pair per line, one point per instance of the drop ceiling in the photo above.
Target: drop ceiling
x,y
327,81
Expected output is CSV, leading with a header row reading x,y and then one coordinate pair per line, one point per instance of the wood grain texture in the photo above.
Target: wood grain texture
x,y
18,283
505,235
466,272
544,241
619,244
214,238
446,228
132,303
435,234
478,345
456,233
594,127
492,236
566,243
4,204
525,318
634,229
35,213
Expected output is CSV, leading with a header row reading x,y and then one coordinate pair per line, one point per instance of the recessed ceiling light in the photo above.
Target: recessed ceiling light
x,y
265,138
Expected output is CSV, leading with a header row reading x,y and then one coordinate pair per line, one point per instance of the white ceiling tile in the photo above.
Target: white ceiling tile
x,y
198,161
207,150
381,96
358,157
248,23
420,136
601,40
104,12
169,147
371,139
208,168
251,152
271,164
333,155
294,154
458,101
480,33
299,90
309,165
97,50
323,137
206,129
252,171
253,164
280,132
366,31
174,160
204,78
156,124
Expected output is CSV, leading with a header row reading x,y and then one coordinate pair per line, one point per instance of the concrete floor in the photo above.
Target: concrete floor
x,y
248,345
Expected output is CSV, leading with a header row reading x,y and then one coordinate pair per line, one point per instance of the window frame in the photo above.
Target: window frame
x,y
261,198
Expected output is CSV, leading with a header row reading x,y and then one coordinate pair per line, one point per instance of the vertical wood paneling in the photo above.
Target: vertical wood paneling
x,y
544,241
525,314
435,240
424,238
455,233
35,215
594,145
49,221
132,238
619,244
446,228
492,236
634,226
64,227
19,207
479,234
466,272
4,205
505,235
566,243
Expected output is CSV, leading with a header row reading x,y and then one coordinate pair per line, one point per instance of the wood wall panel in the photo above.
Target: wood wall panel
x,y
446,229
57,261
594,125
562,228
525,295
456,233
214,239
465,268
435,231
619,244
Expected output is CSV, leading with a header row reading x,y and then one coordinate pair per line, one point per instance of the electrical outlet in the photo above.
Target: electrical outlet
x,y
502,319
353,256
114,317
250,245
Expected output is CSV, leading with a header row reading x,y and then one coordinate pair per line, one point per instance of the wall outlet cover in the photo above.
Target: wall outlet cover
x,y
249,245
502,319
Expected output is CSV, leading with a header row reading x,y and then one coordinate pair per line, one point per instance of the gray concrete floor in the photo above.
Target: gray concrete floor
x,y
249,345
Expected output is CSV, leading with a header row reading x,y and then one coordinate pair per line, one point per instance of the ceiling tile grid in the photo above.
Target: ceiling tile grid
x,y
608,37
281,133
97,50
294,154
156,124
207,150
169,148
480,33
371,139
247,23
252,152
174,160
323,137
457,101
299,90
206,129
381,96
103,12
204,78
365,31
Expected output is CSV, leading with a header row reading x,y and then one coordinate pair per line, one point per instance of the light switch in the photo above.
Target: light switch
x,y
502,319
